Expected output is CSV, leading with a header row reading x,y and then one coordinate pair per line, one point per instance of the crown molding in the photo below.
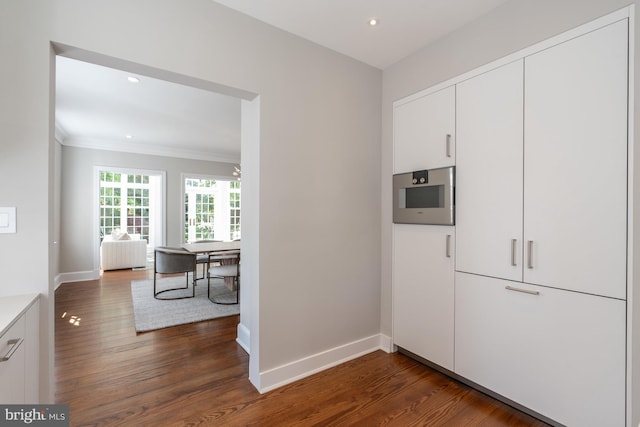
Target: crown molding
x,y
60,133
141,148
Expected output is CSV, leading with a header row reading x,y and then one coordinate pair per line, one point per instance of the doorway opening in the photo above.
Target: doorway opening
x,y
172,228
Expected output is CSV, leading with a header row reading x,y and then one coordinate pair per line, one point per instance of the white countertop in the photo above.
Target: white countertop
x,y
12,307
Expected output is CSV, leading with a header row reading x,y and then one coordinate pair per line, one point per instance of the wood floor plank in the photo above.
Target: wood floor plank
x,y
197,375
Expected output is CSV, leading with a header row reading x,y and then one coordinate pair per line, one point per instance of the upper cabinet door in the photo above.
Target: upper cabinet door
x,y
489,173
575,163
424,132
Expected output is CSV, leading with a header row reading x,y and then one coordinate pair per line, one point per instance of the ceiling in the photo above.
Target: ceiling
x,y
404,26
98,107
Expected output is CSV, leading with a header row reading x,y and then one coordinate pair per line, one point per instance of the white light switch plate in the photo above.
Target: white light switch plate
x,y
7,220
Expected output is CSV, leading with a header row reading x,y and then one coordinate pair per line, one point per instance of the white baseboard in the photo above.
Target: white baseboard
x,y
57,281
77,276
243,338
285,374
386,344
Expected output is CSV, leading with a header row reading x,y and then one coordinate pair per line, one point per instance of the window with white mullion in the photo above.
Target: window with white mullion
x,y
125,203
199,208
234,209
211,208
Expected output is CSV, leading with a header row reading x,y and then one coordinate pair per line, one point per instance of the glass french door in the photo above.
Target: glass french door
x,y
131,202
211,209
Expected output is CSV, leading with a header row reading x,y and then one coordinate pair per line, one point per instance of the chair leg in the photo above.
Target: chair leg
x,y
237,301
193,287
204,271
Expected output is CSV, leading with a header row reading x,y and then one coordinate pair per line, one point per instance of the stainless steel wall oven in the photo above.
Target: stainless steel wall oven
x,y
424,197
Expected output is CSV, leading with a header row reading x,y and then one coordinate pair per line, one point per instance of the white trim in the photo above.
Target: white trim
x,y
603,21
154,150
60,133
293,371
244,338
630,219
386,344
96,218
186,175
77,276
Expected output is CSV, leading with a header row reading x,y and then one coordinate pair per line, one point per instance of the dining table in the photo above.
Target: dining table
x,y
211,247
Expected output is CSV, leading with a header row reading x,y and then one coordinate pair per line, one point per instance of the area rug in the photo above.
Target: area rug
x,y
150,313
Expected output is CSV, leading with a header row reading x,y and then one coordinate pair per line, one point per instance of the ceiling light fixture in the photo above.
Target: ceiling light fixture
x,y
128,136
133,79
373,22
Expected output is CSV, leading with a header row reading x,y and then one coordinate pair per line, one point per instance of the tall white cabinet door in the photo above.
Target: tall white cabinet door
x,y
575,151
559,353
424,132
489,173
423,291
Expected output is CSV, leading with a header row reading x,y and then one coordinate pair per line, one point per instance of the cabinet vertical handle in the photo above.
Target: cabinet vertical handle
x,y
448,246
448,145
513,252
14,343
530,254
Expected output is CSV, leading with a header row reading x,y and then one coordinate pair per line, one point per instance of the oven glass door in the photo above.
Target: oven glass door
x,y
426,197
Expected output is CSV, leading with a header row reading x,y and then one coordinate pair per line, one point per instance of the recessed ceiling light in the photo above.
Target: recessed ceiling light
x,y
133,79
128,136
373,22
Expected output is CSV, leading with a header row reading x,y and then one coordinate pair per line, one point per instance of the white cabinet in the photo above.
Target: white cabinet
x,y
541,230
423,291
544,209
575,163
424,132
19,355
12,363
490,173
559,353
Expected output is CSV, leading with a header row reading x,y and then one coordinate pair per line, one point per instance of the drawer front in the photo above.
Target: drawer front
x,y
559,353
12,371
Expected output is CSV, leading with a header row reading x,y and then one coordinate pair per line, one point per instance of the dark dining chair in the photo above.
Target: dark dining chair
x,y
168,260
203,258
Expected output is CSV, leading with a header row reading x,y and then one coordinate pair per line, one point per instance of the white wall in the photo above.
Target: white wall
x,y
317,189
26,160
507,29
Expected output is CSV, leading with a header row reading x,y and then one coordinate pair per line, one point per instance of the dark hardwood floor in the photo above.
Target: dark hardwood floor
x,y
197,375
